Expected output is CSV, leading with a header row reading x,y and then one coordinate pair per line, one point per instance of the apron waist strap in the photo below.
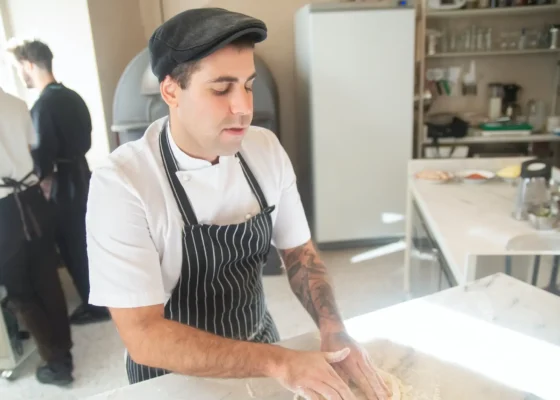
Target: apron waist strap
x,y
18,186
26,214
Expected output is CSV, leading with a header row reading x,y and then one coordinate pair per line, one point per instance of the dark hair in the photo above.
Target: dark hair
x,y
182,73
34,51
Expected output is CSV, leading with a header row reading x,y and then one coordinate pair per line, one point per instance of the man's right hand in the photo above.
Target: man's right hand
x,y
158,342
310,375
46,185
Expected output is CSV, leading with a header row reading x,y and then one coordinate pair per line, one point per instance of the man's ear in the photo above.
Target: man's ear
x,y
27,66
170,90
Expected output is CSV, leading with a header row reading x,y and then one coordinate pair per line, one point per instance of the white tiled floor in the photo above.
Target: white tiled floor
x,y
98,350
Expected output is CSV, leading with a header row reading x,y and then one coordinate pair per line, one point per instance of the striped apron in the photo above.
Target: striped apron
x,y
220,288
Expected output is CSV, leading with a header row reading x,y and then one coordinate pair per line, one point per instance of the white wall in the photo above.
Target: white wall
x,y
65,26
118,36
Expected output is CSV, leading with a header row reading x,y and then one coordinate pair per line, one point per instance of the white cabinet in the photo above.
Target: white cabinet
x,y
355,76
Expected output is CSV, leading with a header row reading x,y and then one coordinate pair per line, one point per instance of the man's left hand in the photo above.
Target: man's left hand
x,y
357,367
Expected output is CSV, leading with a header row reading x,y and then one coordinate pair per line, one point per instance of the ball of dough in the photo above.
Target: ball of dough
x,y
400,392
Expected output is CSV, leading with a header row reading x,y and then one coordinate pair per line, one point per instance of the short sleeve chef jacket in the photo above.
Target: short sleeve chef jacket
x,y
134,228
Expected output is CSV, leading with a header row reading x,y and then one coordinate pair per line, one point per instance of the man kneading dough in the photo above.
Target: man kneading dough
x,y
180,223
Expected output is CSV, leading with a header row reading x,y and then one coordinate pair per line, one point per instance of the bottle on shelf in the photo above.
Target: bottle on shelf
x,y
553,37
489,39
522,40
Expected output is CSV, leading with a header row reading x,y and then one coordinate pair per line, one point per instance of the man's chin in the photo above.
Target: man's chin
x,y
230,149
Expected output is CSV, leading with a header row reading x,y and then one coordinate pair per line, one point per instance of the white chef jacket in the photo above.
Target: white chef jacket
x,y
16,137
134,227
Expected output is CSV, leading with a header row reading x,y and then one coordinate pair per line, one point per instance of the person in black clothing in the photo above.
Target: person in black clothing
x,y
28,258
63,124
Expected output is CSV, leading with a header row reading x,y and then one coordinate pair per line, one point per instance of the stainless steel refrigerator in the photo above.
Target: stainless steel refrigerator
x,y
355,90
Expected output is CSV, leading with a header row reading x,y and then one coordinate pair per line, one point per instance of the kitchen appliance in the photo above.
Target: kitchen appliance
x,y
495,98
356,140
533,189
445,125
510,107
137,103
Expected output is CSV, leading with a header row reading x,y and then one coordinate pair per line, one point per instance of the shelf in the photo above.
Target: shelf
x,y
493,53
475,139
489,12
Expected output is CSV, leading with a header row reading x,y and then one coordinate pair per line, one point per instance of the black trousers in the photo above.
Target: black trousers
x,y
70,199
71,242
28,270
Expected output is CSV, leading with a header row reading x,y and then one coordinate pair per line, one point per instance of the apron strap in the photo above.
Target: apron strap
x,y
18,186
255,187
171,168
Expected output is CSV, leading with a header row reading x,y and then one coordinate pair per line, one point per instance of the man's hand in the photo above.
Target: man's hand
x,y
311,376
46,185
310,283
357,367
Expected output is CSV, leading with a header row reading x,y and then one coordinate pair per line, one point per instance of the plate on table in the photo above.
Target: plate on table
x,y
434,176
475,175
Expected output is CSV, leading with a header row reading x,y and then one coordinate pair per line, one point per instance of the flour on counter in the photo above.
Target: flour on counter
x,y
400,391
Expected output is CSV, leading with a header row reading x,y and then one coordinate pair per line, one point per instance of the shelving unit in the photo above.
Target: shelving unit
x,y
478,139
491,12
493,53
532,68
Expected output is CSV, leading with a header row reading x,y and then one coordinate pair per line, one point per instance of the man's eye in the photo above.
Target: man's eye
x,y
249,89
222,91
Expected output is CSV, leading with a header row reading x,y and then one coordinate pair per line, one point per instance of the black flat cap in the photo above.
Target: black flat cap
x,y
195,34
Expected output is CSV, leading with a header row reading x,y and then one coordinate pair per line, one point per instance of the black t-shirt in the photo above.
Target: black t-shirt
x,y
63,124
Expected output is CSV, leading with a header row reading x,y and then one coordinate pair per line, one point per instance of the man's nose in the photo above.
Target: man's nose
x,y
242,102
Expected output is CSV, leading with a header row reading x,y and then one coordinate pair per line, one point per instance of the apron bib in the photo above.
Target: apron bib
x,y
220,288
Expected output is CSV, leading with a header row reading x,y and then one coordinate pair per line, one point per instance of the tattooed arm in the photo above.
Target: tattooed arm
x,y
310,283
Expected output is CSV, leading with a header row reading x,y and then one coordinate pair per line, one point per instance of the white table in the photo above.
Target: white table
x,y
496,338
468,221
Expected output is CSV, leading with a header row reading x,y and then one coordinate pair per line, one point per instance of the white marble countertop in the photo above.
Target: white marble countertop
x,y
496,338
470,219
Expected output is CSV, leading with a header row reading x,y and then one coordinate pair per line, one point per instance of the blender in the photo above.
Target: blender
x,y
533,188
